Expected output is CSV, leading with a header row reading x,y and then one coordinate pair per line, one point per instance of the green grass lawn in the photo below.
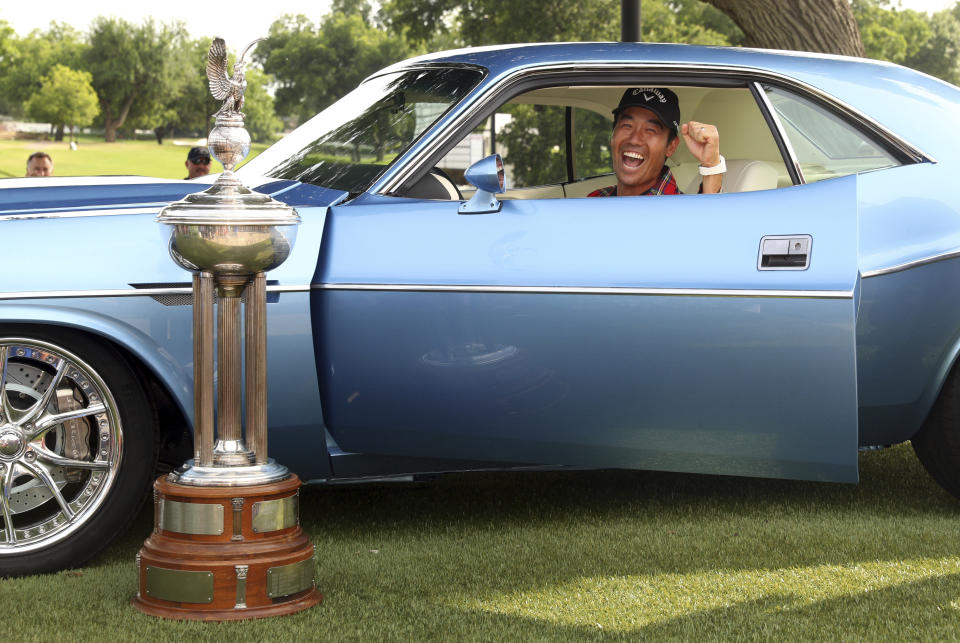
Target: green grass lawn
x,y
578,556
94,157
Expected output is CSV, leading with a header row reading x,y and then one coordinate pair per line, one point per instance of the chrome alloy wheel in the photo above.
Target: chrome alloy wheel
x,y
60,444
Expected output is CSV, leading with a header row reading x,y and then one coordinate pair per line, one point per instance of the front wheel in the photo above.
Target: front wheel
x,y
77,449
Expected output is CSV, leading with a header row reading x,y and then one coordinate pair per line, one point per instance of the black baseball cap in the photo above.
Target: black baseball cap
x,y
659,100
199,155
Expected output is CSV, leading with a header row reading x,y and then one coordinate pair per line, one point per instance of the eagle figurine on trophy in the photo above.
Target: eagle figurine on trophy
x,y
224,87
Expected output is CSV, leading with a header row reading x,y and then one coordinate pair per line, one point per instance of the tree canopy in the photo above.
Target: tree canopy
x,y
65,98
151,75
314,64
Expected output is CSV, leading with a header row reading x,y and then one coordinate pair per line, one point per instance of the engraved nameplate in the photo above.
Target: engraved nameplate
x,y
179,585
272,515
290,579
191,517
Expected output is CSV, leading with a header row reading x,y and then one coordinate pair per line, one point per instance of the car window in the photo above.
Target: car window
x,y
825,145
591,143
529,137
530,132
352,142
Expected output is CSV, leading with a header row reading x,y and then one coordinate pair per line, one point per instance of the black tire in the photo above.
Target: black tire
x,y
68,486
937,443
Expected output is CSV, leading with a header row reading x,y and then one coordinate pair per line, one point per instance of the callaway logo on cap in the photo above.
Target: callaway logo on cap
x,y
659,100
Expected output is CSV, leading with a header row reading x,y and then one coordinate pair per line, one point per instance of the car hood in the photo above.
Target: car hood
x,y
38,195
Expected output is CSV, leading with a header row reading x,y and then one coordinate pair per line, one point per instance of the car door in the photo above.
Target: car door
x,y
680,333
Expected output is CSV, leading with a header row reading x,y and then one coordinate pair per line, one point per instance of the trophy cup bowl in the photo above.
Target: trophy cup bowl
x,y
242,243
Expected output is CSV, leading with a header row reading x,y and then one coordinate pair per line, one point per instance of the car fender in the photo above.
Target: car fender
x,y
177,380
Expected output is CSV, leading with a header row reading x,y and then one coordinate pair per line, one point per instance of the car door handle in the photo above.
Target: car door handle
x,y
785,252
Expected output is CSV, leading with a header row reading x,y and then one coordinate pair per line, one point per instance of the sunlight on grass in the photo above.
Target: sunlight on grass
x,y
633,602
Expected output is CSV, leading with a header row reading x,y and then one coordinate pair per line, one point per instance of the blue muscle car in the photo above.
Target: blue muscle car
x,y
426,323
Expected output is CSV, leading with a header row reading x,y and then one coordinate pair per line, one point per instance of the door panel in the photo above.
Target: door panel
x,y
617,332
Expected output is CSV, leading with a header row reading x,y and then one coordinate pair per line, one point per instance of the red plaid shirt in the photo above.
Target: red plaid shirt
x,y
666,185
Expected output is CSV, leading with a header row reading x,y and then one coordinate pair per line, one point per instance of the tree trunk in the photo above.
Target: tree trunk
x,y
111,125
824,26
158,132
59,135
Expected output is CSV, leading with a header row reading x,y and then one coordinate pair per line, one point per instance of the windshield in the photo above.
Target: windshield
x,y
352,142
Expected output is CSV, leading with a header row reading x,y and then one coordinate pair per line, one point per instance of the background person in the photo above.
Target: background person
x,y
198,162
39,164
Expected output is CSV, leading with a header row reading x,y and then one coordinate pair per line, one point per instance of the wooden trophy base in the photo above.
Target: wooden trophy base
x,y
226,553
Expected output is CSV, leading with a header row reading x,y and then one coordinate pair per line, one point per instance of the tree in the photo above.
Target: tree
x,y
261,118
27,60
8,55
132,68
445,23
911,38
65,98
315,65
484,22
825,26
193,107
184,77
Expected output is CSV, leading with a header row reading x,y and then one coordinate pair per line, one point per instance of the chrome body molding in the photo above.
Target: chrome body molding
x,y
586,290
81,211
556,290
915,263
135,292
404,167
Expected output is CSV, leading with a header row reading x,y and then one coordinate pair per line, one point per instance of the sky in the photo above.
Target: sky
x,y
238,23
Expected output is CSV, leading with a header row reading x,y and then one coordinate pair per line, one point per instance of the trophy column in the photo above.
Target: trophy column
x,y
227,544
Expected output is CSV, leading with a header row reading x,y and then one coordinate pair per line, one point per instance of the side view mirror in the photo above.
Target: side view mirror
x,y
487,176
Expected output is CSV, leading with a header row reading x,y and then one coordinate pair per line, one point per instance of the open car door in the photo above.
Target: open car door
x,y
710,334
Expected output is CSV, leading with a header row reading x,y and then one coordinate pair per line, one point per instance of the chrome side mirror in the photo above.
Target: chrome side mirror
x,y
487,176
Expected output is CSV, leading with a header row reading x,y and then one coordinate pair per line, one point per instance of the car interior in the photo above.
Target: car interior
x,y
554,143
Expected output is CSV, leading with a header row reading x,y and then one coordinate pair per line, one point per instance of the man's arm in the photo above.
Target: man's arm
x,y
703,141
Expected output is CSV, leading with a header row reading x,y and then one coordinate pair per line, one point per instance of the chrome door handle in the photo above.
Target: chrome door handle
x,y
785,252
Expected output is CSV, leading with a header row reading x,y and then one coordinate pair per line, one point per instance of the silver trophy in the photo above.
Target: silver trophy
x,y
227,544
229,236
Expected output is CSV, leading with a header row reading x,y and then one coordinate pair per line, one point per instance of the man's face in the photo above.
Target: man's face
x,y
639,146
40,167
197,169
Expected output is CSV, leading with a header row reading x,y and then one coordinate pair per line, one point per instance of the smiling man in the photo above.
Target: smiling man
x,y
646,132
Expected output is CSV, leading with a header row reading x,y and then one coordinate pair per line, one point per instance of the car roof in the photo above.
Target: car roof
x,y
903,100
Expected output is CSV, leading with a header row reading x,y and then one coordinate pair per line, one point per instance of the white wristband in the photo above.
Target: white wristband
x,y
719,168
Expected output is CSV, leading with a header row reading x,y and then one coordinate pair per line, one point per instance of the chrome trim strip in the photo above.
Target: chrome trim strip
x,y
468,288
587,290
83,211
781,132
403,167
133,292
943,256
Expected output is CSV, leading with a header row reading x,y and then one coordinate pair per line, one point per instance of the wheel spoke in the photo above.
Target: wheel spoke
x,y
4,402
7,490
52,420
44,476
49,457
37,409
